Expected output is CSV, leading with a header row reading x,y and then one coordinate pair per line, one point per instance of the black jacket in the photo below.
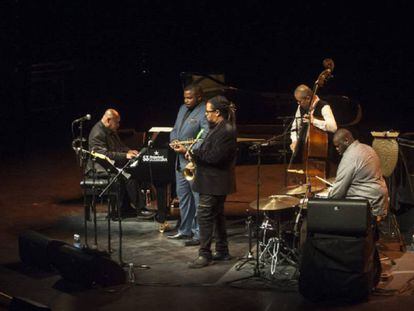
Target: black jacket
x,y
105,141
215,160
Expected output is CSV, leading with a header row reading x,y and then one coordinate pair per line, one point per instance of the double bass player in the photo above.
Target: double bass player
x,y
318,112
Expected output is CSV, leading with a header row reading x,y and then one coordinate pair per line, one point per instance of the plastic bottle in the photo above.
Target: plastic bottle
x,y
148,198
131,273
77,241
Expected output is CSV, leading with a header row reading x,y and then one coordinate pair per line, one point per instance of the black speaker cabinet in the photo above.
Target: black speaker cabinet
x,y
86,267
338,268
35,249
339,217
339,258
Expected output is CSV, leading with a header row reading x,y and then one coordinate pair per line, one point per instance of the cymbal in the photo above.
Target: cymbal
x,y
301,189
275,202
249,140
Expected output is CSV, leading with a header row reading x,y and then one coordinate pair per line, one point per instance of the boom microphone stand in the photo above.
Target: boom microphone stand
x,y
256,270
249,255
77,146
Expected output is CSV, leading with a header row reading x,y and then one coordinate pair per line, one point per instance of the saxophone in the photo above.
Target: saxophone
x,y
175,143
190,168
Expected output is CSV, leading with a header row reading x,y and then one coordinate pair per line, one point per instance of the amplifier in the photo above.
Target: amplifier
x,y
339,217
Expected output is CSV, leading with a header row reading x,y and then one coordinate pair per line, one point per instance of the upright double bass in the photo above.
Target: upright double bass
x,y
313,141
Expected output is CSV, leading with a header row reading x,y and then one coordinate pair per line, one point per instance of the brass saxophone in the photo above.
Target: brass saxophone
x,y
189,170
182,142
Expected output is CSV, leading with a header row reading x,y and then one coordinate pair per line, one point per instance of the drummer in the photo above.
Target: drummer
x,y
359,174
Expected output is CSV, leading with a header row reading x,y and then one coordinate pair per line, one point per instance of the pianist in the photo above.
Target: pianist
x,y
104,139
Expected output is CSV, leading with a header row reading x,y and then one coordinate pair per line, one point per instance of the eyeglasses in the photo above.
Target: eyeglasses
x,y
208,111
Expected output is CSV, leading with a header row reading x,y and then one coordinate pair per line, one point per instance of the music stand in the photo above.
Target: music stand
x,y
111,168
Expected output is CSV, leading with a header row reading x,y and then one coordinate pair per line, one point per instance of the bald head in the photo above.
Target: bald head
x,y
111,119
303,95
342,140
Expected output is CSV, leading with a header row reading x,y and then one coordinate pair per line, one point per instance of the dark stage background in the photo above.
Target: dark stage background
x,y
62,59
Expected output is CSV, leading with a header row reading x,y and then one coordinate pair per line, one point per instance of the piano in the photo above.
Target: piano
x,y
157,166
157,160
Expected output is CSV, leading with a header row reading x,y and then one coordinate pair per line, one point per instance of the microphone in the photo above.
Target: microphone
x,y
81,119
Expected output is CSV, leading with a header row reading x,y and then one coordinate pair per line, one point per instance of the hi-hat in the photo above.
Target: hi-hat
x,y
275,202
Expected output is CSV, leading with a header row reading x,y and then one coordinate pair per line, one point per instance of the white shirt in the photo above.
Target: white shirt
x,y
327,125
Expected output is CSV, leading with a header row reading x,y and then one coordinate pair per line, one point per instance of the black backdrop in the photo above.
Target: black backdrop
x,y
63,59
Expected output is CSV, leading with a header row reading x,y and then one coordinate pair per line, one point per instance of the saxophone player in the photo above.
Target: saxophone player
x,y
190,120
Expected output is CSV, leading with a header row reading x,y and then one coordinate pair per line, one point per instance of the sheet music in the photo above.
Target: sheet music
x,y
160,129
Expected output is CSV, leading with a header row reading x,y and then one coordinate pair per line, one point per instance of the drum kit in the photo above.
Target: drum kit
x,y
280,231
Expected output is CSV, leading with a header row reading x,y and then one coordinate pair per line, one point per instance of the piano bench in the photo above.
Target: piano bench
x,y
93,186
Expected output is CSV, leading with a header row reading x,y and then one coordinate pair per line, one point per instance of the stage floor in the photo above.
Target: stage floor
x,y
41,192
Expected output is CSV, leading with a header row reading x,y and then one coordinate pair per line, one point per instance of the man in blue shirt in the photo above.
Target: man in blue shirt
x,y
190,121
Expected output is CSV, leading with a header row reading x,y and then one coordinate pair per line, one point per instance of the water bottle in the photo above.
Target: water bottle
x,y
77,241
131,273
148,198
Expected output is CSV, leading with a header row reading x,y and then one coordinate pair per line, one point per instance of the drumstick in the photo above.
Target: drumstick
x,y
295,171
325,181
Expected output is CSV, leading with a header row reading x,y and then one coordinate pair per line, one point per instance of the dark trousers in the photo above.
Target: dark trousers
x,y
210,216
129,191
162,202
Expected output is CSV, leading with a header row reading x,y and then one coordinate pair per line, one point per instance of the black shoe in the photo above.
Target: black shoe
x,y
192,242
200,262
145,214
222,256
113,216
179,236
116,218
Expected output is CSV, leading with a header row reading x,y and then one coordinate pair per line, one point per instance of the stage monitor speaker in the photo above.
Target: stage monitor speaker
x,y
338,268
87,267
338,217
20,304
35,249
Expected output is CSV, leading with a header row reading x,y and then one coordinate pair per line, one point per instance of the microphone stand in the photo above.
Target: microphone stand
x,y
256,270
286,127
82,158
92,205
